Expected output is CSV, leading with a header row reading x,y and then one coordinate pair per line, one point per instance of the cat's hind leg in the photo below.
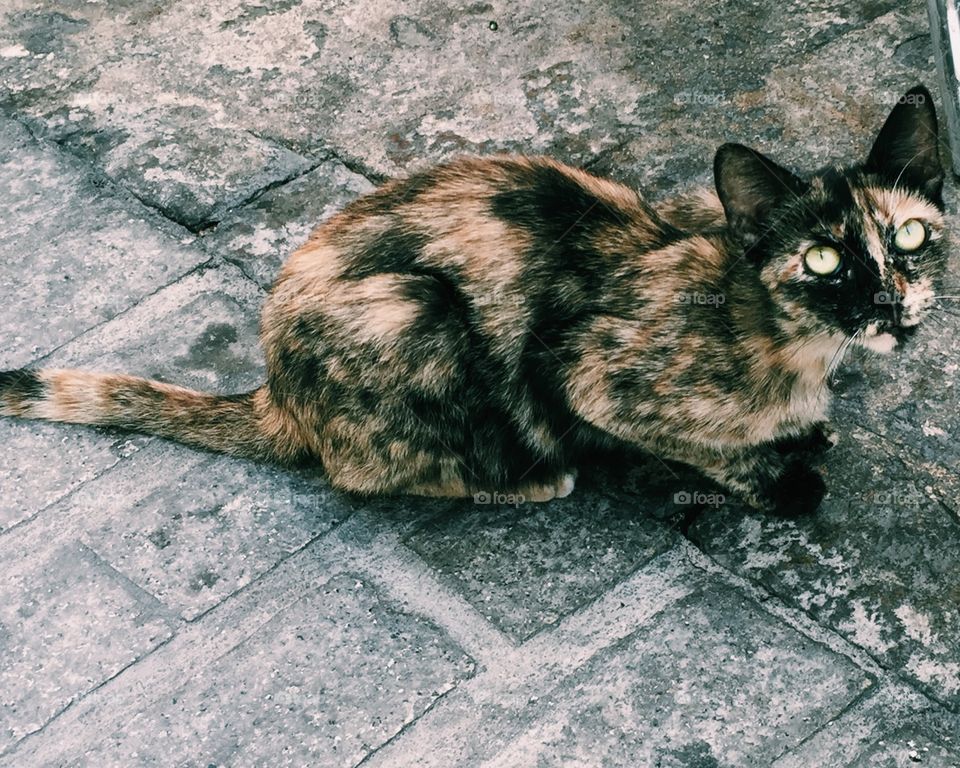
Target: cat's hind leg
x,y
559,489
434,475
532,492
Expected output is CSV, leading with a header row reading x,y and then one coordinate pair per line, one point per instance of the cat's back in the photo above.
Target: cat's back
x,y
479,216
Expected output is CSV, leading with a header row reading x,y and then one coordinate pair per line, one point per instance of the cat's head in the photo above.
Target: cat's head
x,y
855,251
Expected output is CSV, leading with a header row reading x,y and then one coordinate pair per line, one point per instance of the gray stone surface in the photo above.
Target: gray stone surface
x,y
67,624
804,110
878,561
41,463
210,528
911,746
194,120
928,738
212,525
260,236
692,689
525,566
158,160
325,682
73,251
199,332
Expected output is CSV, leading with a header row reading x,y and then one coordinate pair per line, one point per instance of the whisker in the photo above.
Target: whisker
x,y
838,357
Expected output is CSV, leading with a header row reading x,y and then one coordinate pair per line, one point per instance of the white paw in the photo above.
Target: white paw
x,y
565,486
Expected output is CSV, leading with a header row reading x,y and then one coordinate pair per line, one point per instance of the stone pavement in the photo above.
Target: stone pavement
x,y
160,606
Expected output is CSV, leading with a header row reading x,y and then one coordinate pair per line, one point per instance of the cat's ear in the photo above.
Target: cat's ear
x,y
907,151
749,186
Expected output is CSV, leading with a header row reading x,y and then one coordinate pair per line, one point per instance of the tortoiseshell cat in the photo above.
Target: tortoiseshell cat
x,y
477,326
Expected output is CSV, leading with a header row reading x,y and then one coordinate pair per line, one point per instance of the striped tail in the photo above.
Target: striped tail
x,y
247,425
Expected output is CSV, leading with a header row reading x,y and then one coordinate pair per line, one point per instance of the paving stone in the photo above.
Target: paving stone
x,y
526,566
929,740
209,527
713,681
325,682
883,709
73,253
204,527
877,562
262,235
200,332
67,623
213,524
194,106
805,110
41,463
172,149
911,402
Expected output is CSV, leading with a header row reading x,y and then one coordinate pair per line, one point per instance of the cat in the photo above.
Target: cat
x,y
479,326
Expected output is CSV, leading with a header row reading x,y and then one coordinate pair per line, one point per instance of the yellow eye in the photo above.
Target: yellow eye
x,y
911,235
822,260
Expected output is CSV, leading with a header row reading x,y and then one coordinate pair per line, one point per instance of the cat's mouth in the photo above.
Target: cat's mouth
x,y
903,332
885,337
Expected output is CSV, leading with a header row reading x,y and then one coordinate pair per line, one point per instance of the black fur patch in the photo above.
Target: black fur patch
x,y
395,251
21,386
562,283
554,207
798,491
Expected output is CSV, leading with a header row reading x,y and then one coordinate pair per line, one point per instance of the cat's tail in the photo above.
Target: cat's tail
x,y
247,425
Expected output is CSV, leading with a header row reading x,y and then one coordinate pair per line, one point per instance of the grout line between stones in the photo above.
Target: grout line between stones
x,y
773,604
148,439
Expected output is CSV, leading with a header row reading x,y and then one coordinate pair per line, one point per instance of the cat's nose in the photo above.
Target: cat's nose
x,y
897,308
898,292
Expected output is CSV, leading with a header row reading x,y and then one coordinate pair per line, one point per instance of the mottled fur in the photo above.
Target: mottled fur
x,y
478,326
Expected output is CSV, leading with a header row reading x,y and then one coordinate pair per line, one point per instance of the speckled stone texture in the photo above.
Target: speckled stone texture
x,y
326,682
160,606
524,569
693,689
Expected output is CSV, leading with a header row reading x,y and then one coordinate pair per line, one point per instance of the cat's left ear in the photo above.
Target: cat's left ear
x,y
907,151
750,185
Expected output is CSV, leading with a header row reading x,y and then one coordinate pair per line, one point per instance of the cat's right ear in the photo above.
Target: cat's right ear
x,y
749,186
907,150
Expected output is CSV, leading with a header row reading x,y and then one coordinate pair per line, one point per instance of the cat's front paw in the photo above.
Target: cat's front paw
x,y
798,491
823,437
818,440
